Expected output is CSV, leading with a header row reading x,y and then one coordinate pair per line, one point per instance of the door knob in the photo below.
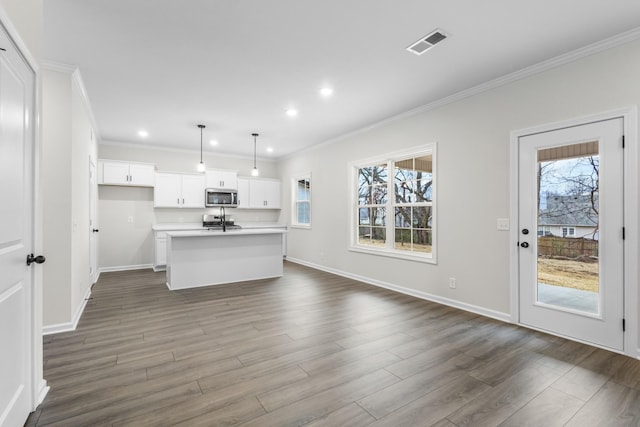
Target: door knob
x,y
524,244
37,259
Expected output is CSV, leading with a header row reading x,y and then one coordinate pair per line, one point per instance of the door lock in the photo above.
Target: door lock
x,y
525,231
37,259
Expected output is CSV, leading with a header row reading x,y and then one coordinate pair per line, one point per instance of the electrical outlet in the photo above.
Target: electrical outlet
x,y
130,220
452,282
503,224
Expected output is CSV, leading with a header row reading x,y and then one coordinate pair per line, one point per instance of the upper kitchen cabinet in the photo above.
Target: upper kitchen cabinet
x,y
260,193
220,178
111,172
177,190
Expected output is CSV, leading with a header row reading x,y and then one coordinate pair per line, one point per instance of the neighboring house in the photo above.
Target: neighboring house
x,y
569,216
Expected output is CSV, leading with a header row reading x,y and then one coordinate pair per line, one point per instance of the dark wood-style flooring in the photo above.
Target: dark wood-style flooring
x,y
315,349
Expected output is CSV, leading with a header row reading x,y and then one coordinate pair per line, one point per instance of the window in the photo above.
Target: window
x,y
568,232
302,201
394,207
544,230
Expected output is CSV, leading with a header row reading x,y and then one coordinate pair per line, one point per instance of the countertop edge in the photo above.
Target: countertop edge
x,y
218,233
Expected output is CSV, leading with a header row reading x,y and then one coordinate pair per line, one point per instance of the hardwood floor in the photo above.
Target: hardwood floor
x,y
317,350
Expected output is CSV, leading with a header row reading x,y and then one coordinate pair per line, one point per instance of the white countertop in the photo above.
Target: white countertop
x,y
232,232
198,226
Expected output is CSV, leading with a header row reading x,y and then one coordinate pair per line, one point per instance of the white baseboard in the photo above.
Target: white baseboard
x,y
41,393
125,268
505,317
73,324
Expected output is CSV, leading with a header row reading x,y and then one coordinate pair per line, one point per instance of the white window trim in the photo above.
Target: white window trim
x,y
294,200
389,251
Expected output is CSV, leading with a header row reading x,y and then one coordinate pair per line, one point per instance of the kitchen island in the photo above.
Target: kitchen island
x,y
204,257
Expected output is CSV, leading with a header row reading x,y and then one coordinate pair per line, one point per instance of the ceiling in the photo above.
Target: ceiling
x,y
236,65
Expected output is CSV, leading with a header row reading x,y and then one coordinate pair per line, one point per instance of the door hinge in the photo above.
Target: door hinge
x,y
623,233
624,326
622,141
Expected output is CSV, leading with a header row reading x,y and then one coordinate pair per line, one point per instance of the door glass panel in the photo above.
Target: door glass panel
x,y
568,227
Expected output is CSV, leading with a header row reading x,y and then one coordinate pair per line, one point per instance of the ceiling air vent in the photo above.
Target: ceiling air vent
x,y
427,42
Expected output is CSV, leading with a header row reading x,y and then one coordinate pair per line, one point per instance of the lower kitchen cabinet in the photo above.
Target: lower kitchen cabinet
x,y
160,258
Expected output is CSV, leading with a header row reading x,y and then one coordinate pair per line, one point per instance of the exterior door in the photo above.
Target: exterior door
x,y
571,277
17,101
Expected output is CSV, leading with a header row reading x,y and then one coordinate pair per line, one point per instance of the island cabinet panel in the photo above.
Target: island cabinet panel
x,y
219,178
174,190
205,258
111,172
259,193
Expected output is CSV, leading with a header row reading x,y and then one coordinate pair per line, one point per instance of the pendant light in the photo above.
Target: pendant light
x,y
254,171
201,166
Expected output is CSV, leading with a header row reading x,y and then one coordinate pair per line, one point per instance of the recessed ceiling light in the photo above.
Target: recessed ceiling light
x,y
326,92
269,150
292,112
143,133
213,142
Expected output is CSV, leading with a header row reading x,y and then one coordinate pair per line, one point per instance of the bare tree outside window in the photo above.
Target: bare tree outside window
x,y
395,205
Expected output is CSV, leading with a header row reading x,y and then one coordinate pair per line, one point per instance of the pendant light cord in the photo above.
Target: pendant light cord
x,y
201,127
255,135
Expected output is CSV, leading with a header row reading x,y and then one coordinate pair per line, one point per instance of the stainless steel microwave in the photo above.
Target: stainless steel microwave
x,y
215,197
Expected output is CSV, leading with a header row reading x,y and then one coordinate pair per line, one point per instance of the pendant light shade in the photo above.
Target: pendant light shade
x,y
254,171
201,166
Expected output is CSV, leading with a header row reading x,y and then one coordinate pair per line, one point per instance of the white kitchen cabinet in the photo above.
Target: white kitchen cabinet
x,y
161,250
176,190
219,178
112,172
243,192
258,193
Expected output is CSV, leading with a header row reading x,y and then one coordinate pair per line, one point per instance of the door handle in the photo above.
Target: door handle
x,y
37,259
95,230
524,245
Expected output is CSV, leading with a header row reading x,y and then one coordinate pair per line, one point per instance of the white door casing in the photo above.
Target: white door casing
x,y
17,144
616,304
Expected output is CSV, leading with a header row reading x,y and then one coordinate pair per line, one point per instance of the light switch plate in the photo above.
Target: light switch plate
x,y
503,224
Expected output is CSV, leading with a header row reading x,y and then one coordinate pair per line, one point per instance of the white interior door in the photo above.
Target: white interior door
x,y
571,277
17,95
93,223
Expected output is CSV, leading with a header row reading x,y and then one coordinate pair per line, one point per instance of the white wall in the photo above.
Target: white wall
x,y
56,196
67,146
473,137
27,18
122,243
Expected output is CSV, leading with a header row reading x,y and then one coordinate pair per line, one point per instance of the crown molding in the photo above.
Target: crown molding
x,y
603,45
58,66
78,82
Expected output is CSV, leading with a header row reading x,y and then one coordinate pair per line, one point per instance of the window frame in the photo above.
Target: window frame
x,y
390,159
295,201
